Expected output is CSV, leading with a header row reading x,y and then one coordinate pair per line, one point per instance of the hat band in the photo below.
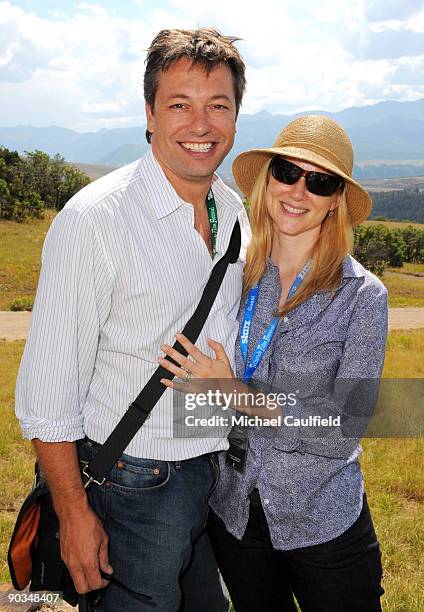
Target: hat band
x,y
329,155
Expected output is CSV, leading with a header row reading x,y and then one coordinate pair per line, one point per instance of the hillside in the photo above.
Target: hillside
x,y
392,133
394,184
388,195
94,171
393,224
406,204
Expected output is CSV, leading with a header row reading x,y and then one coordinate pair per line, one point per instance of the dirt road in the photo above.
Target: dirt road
x,y
15,325
401,318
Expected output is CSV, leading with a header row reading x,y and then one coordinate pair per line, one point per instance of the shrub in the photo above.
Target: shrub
x,y
34,181
22,303
370,247
20,211
396,248
414,243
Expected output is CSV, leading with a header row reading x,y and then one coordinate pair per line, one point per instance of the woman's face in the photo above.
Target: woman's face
x,y
293,209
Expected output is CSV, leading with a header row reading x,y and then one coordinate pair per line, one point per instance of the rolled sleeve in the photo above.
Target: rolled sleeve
x,y
72,302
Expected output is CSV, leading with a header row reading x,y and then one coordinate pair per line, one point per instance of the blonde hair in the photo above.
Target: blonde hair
x,y
334,243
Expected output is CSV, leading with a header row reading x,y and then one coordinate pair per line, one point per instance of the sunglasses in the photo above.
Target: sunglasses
x,y
318,183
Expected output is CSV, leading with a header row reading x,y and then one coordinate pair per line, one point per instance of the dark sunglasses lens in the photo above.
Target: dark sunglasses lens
x,y
323,184
318,183
284,171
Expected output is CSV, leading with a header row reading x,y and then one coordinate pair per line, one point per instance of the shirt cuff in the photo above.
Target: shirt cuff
x,y
53,431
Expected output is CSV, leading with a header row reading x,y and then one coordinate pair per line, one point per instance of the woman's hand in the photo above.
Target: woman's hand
x,y
199,366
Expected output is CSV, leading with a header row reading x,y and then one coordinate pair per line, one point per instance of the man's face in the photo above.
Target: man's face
x,y
193,121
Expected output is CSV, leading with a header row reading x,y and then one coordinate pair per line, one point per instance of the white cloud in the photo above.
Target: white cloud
x,y
417,23
82,61
377,10
85,69
27,43
390,24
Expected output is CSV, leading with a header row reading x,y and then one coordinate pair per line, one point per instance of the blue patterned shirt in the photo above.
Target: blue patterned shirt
x,y
310,483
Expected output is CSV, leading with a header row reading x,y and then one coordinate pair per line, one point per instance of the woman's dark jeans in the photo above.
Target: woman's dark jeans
x,y
342,575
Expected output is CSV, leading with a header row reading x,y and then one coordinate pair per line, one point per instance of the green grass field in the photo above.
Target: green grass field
x,y
409,268
20,256
404,289
393,468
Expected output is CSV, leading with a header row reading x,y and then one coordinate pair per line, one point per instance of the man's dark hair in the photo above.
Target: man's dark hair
x,y
205,46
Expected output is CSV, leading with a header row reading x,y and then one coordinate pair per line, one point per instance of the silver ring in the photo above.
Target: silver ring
x,y
187,376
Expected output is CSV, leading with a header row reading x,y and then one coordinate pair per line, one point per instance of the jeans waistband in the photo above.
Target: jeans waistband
x,y
177,463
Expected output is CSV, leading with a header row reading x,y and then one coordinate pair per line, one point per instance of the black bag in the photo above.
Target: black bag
x,y
34,550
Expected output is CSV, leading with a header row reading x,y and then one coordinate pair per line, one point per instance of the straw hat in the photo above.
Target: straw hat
x,y
315,139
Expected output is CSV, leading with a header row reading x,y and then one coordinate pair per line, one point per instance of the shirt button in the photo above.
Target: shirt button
x,y
285,319
266,501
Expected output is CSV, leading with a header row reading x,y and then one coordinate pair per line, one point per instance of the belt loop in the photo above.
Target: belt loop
x,y
178,465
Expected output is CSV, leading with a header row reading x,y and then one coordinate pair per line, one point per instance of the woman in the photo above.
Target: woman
x,y
295,521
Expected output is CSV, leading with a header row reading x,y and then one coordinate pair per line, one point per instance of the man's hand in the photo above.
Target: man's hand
x,y
84,549
83,541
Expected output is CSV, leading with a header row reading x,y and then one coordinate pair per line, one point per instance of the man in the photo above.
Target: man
x,y
124,266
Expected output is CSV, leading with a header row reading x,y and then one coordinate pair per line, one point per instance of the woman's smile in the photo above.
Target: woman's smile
x,y
292,211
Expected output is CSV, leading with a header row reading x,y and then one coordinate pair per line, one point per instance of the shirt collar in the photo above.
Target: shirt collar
x,y
165,200
352,268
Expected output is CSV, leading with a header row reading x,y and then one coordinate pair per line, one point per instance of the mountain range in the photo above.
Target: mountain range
x,y
388,139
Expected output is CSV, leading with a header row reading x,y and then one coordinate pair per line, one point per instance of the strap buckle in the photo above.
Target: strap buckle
x,y
91,479
146,413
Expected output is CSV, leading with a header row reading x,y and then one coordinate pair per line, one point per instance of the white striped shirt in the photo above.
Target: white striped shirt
x,y
123,269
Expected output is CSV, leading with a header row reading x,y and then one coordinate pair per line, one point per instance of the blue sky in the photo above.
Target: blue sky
x,y
79,64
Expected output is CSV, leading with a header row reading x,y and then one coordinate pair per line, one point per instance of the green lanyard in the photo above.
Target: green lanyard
x,y
213,219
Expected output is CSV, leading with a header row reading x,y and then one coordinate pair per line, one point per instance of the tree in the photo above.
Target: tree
x,y
370,247
35,205
57,173
37,175
396,248
399,205
34,182
414,242
10,162
4,196
72,181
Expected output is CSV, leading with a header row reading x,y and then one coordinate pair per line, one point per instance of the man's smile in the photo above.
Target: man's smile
x,y
198,147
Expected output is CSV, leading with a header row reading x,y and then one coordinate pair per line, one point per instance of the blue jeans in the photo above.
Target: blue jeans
x,y
154,513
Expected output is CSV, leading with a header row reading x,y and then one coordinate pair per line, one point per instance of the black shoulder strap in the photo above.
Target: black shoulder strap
x,y
144,403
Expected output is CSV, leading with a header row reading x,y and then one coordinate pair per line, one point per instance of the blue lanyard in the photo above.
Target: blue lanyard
x,y
265,341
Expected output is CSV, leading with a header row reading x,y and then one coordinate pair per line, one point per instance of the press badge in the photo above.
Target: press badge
x,y
236,455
